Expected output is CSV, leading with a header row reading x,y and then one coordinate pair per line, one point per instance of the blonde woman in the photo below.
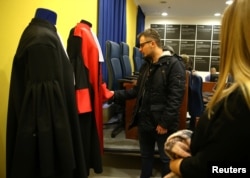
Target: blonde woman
x,y
220,144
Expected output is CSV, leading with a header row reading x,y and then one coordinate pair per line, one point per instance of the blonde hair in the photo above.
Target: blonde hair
x,y
187,61
234,52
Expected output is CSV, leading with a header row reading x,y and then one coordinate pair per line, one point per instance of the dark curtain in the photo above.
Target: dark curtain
x,y
111,25
140,24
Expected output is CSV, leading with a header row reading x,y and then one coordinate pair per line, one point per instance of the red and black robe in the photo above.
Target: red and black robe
x,y
84,56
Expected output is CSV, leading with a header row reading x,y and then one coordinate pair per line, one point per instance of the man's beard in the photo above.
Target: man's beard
x,y
148,58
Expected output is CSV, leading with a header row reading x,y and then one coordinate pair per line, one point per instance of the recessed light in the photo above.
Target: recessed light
x,y
229,2
164,14
217,14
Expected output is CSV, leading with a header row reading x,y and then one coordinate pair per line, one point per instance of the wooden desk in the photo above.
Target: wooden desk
x,y
129,108
184,105
208,86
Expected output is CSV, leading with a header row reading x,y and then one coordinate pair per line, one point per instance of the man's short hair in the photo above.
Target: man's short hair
x,y
153,34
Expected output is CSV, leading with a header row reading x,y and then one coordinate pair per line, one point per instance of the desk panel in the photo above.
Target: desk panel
x,y
208,86
129,108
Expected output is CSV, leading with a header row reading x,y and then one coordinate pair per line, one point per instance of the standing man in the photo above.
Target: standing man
x,y
159,92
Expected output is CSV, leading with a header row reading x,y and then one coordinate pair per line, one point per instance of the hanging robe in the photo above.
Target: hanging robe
x,y
43,133
84,56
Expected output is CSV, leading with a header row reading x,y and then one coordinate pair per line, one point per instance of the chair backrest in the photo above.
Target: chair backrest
x,y
184,105
137,59
195,97
125,61
113,64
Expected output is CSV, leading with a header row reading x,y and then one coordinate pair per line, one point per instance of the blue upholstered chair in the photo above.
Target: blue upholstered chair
x,y
115,82
125,62
137,59
115,75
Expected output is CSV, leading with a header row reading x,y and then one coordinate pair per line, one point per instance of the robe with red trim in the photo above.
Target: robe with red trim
x,y
84,56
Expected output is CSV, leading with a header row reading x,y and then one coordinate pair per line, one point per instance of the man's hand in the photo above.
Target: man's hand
x,y
160,130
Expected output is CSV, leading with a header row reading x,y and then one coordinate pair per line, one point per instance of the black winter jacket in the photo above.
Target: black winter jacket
x,y
158,92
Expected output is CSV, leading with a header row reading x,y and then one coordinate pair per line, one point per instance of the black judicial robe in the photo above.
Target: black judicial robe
x,y
78,39
43,134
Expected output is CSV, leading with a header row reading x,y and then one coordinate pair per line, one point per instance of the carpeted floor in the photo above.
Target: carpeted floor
x,y
121,157
123,166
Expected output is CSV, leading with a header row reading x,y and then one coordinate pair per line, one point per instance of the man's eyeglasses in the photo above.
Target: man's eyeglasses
x,y
142,44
